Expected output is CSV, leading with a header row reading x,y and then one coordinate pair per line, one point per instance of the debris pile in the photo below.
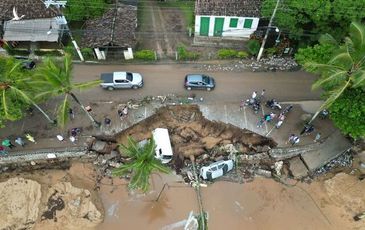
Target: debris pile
x,y
344,160
264,65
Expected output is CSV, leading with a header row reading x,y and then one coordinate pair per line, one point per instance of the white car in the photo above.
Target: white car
x,y
121,80
216,169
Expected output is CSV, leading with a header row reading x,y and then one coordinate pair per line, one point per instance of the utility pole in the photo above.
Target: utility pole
x,y
267,31
62,19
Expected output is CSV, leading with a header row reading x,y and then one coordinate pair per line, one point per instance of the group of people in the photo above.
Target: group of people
x,y
8,144
73,135
307,130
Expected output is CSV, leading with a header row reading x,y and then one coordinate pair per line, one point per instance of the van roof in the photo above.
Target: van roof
x,y
162,140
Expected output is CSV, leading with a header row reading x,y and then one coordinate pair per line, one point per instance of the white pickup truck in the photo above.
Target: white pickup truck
x,y
121,80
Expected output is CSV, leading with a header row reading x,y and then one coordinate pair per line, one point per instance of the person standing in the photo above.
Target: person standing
x,y
20,141
107,121
254,95
8,143
296,140
317,137
242,105
71,113
2,150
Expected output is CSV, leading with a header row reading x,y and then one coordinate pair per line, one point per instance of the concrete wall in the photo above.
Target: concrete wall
x,y
238,32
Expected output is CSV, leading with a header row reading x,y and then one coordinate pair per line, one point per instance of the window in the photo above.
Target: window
x,y
121,81
248,23
129,76
233,22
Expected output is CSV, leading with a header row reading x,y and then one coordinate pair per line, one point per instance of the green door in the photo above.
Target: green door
x,y
204,26
218,27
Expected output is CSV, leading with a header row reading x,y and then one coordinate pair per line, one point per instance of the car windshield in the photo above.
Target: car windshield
x,y
129,76
206,79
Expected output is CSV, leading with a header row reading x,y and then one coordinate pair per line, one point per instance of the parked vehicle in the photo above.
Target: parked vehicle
x,y
216,169
26,62
163,145
199,81
273,104
121,80
254,104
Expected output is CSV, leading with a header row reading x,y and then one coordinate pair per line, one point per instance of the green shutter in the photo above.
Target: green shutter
x,y
204,26
248,23
218,27
233,22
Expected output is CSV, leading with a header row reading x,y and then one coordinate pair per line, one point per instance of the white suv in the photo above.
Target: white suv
x,y
216,169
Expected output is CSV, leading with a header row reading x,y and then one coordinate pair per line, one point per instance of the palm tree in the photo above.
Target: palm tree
x,y
142,164
345,69
58,79
16,90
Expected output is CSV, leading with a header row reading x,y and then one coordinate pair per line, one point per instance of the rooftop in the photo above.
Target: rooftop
x,y
31,9
239,8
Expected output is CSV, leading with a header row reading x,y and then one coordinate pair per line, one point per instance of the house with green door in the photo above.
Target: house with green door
x,y
231,19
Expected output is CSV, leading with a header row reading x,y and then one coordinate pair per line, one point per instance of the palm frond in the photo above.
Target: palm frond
x,y
62,115
334,94
327,39
358,79
320,68
332,79
357,34
86,85
5,105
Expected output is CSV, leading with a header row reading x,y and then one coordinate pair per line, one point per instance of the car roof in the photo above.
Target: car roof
x,y
120,75
194,77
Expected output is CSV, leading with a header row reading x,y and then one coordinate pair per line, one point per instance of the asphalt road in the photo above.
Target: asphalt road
x,y
231,86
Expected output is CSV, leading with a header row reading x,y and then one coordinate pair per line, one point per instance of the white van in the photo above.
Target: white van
x,y
163,145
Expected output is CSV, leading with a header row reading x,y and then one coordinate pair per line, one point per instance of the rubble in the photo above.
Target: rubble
x,y
344,160
264,65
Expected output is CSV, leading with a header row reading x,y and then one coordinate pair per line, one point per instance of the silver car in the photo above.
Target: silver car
x,y
199,81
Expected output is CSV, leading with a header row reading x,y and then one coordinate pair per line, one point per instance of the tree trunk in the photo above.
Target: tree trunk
x,y
95,123
45,114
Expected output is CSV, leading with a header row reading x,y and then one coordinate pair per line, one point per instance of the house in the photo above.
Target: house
x,y
113,35
229,19
29,24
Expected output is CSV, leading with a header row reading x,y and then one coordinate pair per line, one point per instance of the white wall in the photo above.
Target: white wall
x,y
239,31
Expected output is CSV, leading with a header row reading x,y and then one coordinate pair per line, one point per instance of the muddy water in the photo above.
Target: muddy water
x,y
261,204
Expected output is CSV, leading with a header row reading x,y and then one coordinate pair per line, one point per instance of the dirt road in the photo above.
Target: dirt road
x,y
161,29
231,86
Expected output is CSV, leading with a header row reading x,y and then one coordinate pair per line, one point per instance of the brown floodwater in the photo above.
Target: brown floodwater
x,y
261,204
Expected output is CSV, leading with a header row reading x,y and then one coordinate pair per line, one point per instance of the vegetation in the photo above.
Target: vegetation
x,y
230,53
183,54
88,53
142,164
77,10
147,55
307,20
57,80
47,53
319,53
187,7
253,46
16,91
345,69
348,113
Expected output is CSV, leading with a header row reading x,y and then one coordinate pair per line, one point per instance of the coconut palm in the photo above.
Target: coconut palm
x,y
58,79
16,90
345,69
141,165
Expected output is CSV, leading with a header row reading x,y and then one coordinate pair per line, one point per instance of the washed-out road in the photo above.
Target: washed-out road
x,y
162,79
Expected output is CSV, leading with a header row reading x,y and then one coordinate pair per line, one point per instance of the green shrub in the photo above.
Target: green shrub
x,y
253,46
70,50
147,55
319,53
183,54
242,54
88,53
227,53
271,51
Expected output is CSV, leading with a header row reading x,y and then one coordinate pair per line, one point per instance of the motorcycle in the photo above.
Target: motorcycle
x,y
273,104
254,104
287,109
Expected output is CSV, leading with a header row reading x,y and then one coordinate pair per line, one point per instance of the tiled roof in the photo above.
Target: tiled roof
x,y
31,9
116,28
239,8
